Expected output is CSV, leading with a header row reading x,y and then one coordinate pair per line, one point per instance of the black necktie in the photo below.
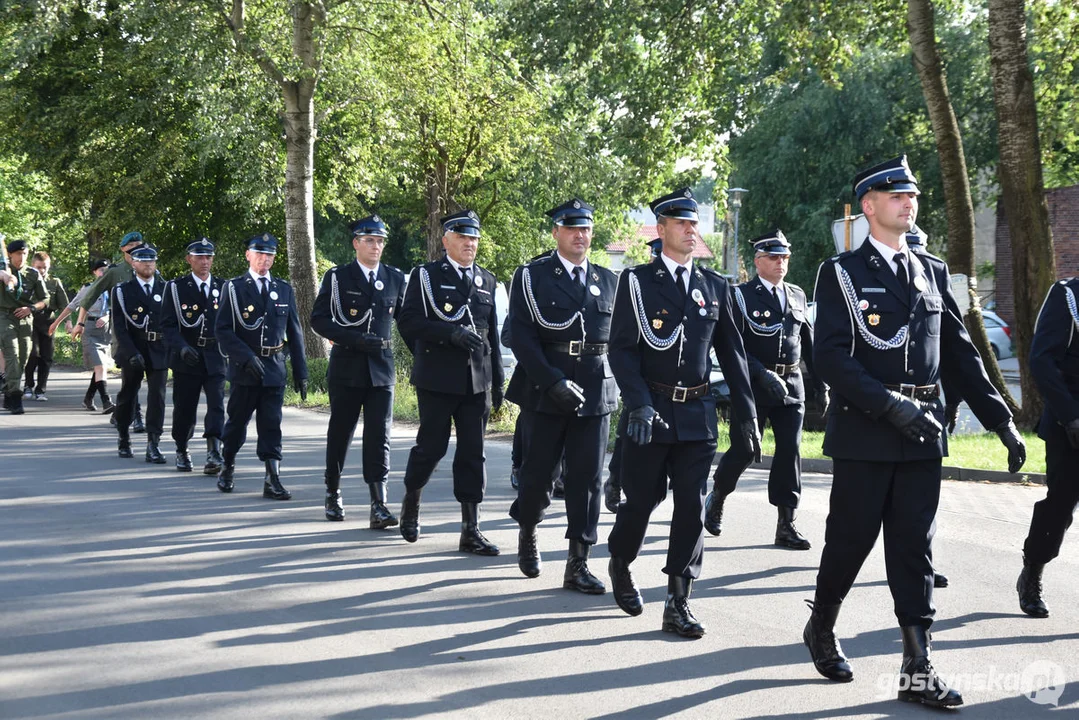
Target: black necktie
x,y
578,275
205,289
371,277
901,272
148,288
775,294
679,279
262,281
466,277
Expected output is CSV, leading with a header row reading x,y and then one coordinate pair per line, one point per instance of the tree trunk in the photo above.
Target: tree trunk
x,y
1021,183
434,210
953,166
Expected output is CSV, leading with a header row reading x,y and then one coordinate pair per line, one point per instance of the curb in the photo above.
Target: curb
x,y
948,472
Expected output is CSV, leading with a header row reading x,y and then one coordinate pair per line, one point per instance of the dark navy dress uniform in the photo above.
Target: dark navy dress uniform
x,y
140,351
356,311
257,328
453,384
188,319
561,327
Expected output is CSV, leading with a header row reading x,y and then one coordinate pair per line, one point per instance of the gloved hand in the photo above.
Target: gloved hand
x,y
371,343
639,426
1017,449
497,396
300,386
254,368
1072,428
465,339
951,416
751,437
189,355
772,386
137,362
912,418
821,396
567,395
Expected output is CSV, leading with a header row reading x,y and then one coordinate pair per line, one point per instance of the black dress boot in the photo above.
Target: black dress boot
x,y
381,517
713,513
88,398
472,540
272,489
228,469
940,580
819,637
612,493
124,443
514,481
137,426
1029,587
183,458
153,452
677,617
335,508
625,591
214,461
918,681
528,557
578,577
786,534
410,515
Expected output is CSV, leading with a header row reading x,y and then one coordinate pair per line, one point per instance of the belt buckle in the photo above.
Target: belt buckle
x,y
265,351
201,342
151,336
575,347
907,389
680,394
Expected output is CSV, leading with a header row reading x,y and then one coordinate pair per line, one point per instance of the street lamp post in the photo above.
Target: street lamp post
x,y
735,195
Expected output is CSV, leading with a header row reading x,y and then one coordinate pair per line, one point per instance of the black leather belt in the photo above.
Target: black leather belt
x,y
91,318
785,369
152,336
205,341
678,393
271,351
577,348
917,392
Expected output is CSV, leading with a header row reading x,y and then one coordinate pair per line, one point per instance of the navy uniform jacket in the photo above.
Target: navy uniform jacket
x,y
860,346
775,336
440,365
1054,356
635,362
130,304
550,298
268,324
188,319
348,306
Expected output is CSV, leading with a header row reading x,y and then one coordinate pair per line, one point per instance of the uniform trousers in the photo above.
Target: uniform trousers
x,y
614,467
346,403
265,403
128,397
15,347
584,442
186,389
901,496
1053,514
785,477
645,487
41,356
469,415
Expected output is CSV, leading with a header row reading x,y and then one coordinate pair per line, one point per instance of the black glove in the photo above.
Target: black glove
x,y
1072,428
951,416
639,427
465,339
567,395
1017,449
912,418
371,343
254,368
189,355
497,396
751,437
821,394
137,362
773,387
300,386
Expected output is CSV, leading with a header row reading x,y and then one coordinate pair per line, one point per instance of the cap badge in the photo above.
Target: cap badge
x,y
472,214
688,194
576,204
376,218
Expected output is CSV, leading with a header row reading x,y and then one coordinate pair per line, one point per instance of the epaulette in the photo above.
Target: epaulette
x,y
712,271
930,256
542,257
391,268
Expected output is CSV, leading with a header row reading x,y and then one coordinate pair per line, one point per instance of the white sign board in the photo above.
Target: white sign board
x,y
959,289
859,231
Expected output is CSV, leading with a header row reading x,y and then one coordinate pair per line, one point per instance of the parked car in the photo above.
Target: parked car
x,y
1000,335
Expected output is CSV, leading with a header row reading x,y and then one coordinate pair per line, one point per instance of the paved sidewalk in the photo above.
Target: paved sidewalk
x,y
133,591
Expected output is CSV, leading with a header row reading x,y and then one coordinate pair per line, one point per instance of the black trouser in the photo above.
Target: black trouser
x,y
785,477
1053,515
517,454
614,467
903,498
687,465
265,403
346,403
469,414
584,442
128,398
40,359
186,389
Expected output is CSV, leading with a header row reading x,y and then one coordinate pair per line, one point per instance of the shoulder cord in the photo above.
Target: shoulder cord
x,y
236,317
643,327
847,285
1070,297
123,309
537,316
757,328
179,317
337,313
425,282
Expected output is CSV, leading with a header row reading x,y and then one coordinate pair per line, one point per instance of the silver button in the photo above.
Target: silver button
x,y
910,372
911,315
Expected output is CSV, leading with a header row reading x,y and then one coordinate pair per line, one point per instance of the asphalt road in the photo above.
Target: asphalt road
x,y
133,591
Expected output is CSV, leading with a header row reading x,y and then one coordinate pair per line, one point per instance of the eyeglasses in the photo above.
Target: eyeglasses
x,y
373,240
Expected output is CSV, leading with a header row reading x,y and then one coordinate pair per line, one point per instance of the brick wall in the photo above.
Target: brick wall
x,y
1064,221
